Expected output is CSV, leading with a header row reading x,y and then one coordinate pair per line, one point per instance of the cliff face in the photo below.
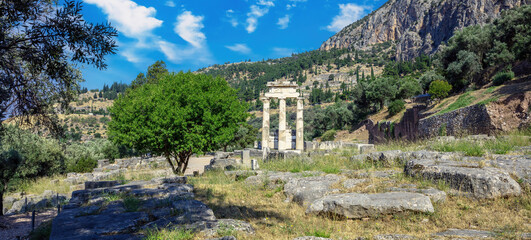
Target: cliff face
x,y
417,26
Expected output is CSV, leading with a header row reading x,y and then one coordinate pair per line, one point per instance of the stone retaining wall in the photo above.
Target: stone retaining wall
x,y
469,120
474,119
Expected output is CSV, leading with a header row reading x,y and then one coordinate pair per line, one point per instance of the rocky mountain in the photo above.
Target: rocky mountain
x,y
417,26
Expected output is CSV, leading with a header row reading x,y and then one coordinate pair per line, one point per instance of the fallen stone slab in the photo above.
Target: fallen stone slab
x,y
274,179
386,158
311,238
305,190
393,237
356,205
373,174
211,228
100,184
465,233
519,165
435,195
486,182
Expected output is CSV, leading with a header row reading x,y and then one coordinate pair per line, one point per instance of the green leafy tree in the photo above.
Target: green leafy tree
x,y
25,156
39,43
439,89
428,77
10,161
182,114
156,71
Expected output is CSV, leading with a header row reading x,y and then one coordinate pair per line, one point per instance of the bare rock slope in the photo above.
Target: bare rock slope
x,y
417,26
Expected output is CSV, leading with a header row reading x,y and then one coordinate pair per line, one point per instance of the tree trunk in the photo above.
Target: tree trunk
x,y
1,202
184,157
168,158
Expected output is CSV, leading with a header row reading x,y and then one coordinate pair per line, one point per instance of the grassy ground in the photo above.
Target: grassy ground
x,y
273,218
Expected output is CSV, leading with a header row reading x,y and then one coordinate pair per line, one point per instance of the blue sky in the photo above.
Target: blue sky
x,y
189,34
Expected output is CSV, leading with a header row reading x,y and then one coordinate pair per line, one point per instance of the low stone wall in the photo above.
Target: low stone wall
x,y
326,145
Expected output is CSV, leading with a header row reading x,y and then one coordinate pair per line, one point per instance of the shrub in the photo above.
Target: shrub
x,y
85,164
396,106
329,135
439,89
502,77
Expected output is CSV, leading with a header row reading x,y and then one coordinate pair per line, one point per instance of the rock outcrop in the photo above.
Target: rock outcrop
x,y
418,27
123,211
481,182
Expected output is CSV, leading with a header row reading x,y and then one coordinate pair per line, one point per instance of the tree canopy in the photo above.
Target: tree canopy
x,y
39,43
180,115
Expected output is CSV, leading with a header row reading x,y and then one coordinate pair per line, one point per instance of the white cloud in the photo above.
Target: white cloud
x,y
283,22
189,28
282,52
266,3
178,54
232,20
240,47
350,12
131,19
170,3
252,16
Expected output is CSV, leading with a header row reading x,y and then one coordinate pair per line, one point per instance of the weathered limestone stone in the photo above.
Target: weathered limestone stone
x,y
299,141
355,205
282,145
393,237
274,179
90,215
224,164
353,182
246,157
465,233
100,184
311,238
77,187
486,182
103,162
211,228
265,126
372,174
434,194
365,148
518,165
305,190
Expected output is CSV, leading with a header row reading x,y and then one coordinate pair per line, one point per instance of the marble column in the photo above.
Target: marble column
x,y
265,124
282,123
299,141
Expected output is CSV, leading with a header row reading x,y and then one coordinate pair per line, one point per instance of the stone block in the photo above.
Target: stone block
x,y
100,184
481,182
356,205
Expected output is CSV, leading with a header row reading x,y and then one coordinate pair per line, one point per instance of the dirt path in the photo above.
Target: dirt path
x,y
198,164
20,224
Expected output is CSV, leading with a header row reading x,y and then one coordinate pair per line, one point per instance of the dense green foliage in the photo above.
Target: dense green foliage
x,y
396,106
182,114
329,135
439,89
502,77
495,45
251,77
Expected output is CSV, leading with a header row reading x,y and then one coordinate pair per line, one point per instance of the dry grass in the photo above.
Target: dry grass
x,y
273,218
